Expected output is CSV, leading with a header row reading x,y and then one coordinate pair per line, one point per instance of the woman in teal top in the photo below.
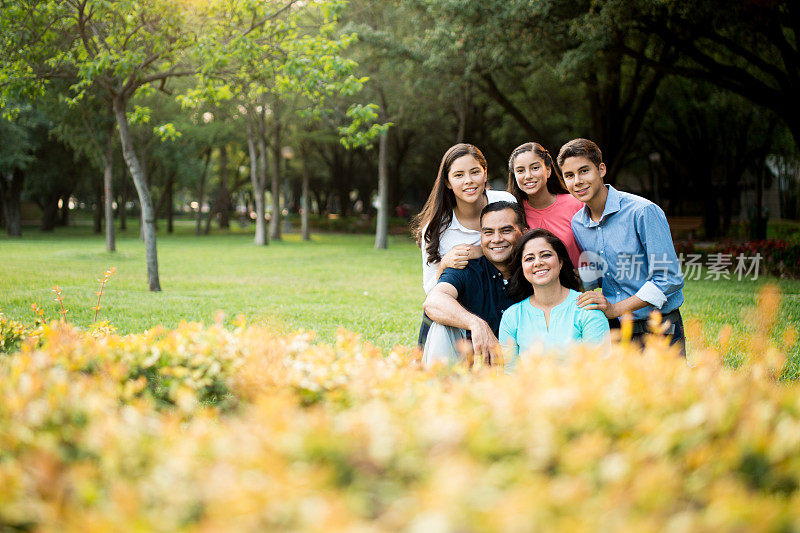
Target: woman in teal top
x,y
548,317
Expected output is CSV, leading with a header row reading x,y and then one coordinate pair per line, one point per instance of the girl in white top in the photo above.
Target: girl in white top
x,y
448,228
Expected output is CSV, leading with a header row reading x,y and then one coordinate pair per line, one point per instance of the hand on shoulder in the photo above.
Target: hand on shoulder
x,y
595,300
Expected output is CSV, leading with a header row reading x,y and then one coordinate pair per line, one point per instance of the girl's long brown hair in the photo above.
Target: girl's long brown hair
x,y
438,210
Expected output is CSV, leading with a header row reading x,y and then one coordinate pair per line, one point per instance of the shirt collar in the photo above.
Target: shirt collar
x,y
457,223
491,269
613,203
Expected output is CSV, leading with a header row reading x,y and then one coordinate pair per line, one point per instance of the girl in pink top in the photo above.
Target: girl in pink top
x,y
534,180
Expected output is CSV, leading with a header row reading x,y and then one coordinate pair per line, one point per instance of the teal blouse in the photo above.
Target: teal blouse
x,y
523,327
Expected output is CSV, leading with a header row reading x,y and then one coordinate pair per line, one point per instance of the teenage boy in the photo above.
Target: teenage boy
x,y
473,298
629,245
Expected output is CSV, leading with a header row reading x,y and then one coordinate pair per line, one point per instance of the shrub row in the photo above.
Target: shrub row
x,y
208,428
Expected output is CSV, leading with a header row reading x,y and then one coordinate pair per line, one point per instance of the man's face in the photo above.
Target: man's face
x,y
584,179
499,233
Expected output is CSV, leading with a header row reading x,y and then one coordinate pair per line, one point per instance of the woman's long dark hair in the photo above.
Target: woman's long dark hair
x,y
555,184
520,288
438,210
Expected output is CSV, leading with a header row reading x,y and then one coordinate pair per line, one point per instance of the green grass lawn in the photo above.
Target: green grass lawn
x,y
333,281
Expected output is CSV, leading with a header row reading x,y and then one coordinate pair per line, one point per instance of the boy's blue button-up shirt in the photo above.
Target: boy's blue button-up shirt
x,y
630,252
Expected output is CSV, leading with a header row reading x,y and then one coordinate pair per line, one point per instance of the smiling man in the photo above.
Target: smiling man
x,y
469,302
631,246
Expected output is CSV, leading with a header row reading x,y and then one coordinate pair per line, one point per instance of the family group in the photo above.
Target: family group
x,y
513,273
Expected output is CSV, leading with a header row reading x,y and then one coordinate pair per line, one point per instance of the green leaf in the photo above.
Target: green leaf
x,y
140,115
167,132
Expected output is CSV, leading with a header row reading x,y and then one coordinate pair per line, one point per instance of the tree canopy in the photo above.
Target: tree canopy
x,y
334,107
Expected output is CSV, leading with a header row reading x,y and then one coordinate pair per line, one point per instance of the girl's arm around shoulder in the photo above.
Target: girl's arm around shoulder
x,y
475,252
456,257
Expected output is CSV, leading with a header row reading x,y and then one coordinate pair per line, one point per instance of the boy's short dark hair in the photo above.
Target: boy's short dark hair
x,y
522,223
580,148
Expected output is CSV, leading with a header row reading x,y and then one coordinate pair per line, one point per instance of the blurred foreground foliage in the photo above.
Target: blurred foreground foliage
x,y
212,428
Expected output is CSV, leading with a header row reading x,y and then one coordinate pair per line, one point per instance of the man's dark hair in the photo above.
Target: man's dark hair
x,y
522,224
580,148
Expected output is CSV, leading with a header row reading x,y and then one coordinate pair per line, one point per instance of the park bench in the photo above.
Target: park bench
x,y
684,227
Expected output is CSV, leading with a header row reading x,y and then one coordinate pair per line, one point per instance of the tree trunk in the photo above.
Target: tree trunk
x,y
261,214
220,204
618,103
50,212
224,208
123,203
165,199
170,207
108,174
287,191
148,216
146,183
258,176
63,219
793,122
2,204
275,219
733,177
339,199
402,146
711,215
199,220
762,218
11,192
213,205
382,224
223,196
97,211
462,125
305,204
758,230
296,194
322,201
212,211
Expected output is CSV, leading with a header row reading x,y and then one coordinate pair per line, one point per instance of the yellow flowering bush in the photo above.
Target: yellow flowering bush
x,y
13,332
215,429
